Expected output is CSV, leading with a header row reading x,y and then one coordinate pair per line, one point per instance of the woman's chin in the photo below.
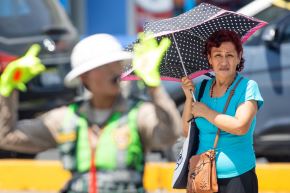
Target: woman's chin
x,y
224,74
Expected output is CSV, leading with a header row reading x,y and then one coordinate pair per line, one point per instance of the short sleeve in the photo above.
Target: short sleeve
x,y
252,93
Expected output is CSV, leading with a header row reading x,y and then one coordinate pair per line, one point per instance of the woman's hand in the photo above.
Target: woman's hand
x,y
199,109
187,87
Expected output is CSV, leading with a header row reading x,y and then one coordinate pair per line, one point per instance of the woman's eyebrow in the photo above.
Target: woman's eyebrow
x,y
231,51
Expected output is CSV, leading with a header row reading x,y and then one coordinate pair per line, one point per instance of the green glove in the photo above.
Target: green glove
x,y
20,71
147,58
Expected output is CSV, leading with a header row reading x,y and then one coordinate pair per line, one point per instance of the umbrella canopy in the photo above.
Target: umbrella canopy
x,y
188,33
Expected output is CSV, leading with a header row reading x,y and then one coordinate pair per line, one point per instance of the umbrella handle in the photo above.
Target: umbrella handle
x,y
193,97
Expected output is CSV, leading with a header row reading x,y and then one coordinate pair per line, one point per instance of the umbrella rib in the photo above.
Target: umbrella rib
x,y
178,51
195,35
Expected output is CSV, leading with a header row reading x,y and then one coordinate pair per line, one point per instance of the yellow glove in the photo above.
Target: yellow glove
x,y
20,71
147,59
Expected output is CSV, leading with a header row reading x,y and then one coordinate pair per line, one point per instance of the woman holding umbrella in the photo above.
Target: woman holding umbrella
x,y
235,157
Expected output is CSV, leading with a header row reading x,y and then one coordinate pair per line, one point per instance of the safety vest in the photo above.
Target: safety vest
x,y
119,145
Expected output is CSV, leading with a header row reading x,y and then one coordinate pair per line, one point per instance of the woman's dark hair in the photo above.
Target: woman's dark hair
x,y
218,37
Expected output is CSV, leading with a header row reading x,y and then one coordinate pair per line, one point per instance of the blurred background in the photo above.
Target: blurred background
x,y
57,25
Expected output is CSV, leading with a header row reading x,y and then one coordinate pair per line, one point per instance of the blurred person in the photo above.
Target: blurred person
x,y
181,6
235,156
103,139
178,7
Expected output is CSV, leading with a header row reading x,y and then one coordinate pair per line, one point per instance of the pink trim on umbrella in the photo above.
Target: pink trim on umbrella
x,y
198,73
129,77
253,30
125,74
191,76
170,79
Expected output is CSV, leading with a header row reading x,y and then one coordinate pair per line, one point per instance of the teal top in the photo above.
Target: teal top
x,y
235,154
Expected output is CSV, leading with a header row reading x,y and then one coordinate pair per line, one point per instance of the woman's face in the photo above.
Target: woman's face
x,y
224,59
104,80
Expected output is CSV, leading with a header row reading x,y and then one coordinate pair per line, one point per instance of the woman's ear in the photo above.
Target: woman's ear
x,y
240,56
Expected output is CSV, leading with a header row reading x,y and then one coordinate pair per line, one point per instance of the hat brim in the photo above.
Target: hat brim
x,y
72,78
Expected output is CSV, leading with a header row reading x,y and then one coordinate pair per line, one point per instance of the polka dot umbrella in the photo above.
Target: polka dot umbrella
x,y
188,33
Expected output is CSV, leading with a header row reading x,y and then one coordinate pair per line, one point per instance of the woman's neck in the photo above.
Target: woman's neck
x,y
224,82
221,86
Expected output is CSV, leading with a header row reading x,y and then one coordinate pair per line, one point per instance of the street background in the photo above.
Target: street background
x,y
124,19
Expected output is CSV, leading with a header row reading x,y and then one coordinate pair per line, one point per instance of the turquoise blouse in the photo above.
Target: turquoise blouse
x,y
235,154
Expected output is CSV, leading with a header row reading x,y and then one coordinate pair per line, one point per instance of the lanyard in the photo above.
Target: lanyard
x,y
93,185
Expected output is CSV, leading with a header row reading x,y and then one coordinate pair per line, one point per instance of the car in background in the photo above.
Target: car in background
x,y
266,10
267,55
25,22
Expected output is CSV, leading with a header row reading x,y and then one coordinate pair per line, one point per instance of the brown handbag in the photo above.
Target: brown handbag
x,y
202,177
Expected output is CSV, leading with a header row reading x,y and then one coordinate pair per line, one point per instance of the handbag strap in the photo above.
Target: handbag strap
x,y
224,111
202,88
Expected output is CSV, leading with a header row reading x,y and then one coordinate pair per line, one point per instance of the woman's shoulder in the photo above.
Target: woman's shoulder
x,y
206,82
248,83
250,91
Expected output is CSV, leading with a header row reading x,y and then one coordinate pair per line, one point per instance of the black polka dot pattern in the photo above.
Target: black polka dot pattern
x,y
188,33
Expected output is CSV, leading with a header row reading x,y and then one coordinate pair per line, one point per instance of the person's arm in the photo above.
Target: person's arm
x,y
248,104
186,115
159,122
187,87
27,136
238,124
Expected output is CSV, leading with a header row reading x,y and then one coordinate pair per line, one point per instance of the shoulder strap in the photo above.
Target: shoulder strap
x,y
201,90
224,111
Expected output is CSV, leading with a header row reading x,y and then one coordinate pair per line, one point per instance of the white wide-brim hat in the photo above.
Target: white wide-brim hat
x,y
93,52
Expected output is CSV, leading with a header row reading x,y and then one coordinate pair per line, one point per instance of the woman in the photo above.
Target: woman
x,y
235,157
